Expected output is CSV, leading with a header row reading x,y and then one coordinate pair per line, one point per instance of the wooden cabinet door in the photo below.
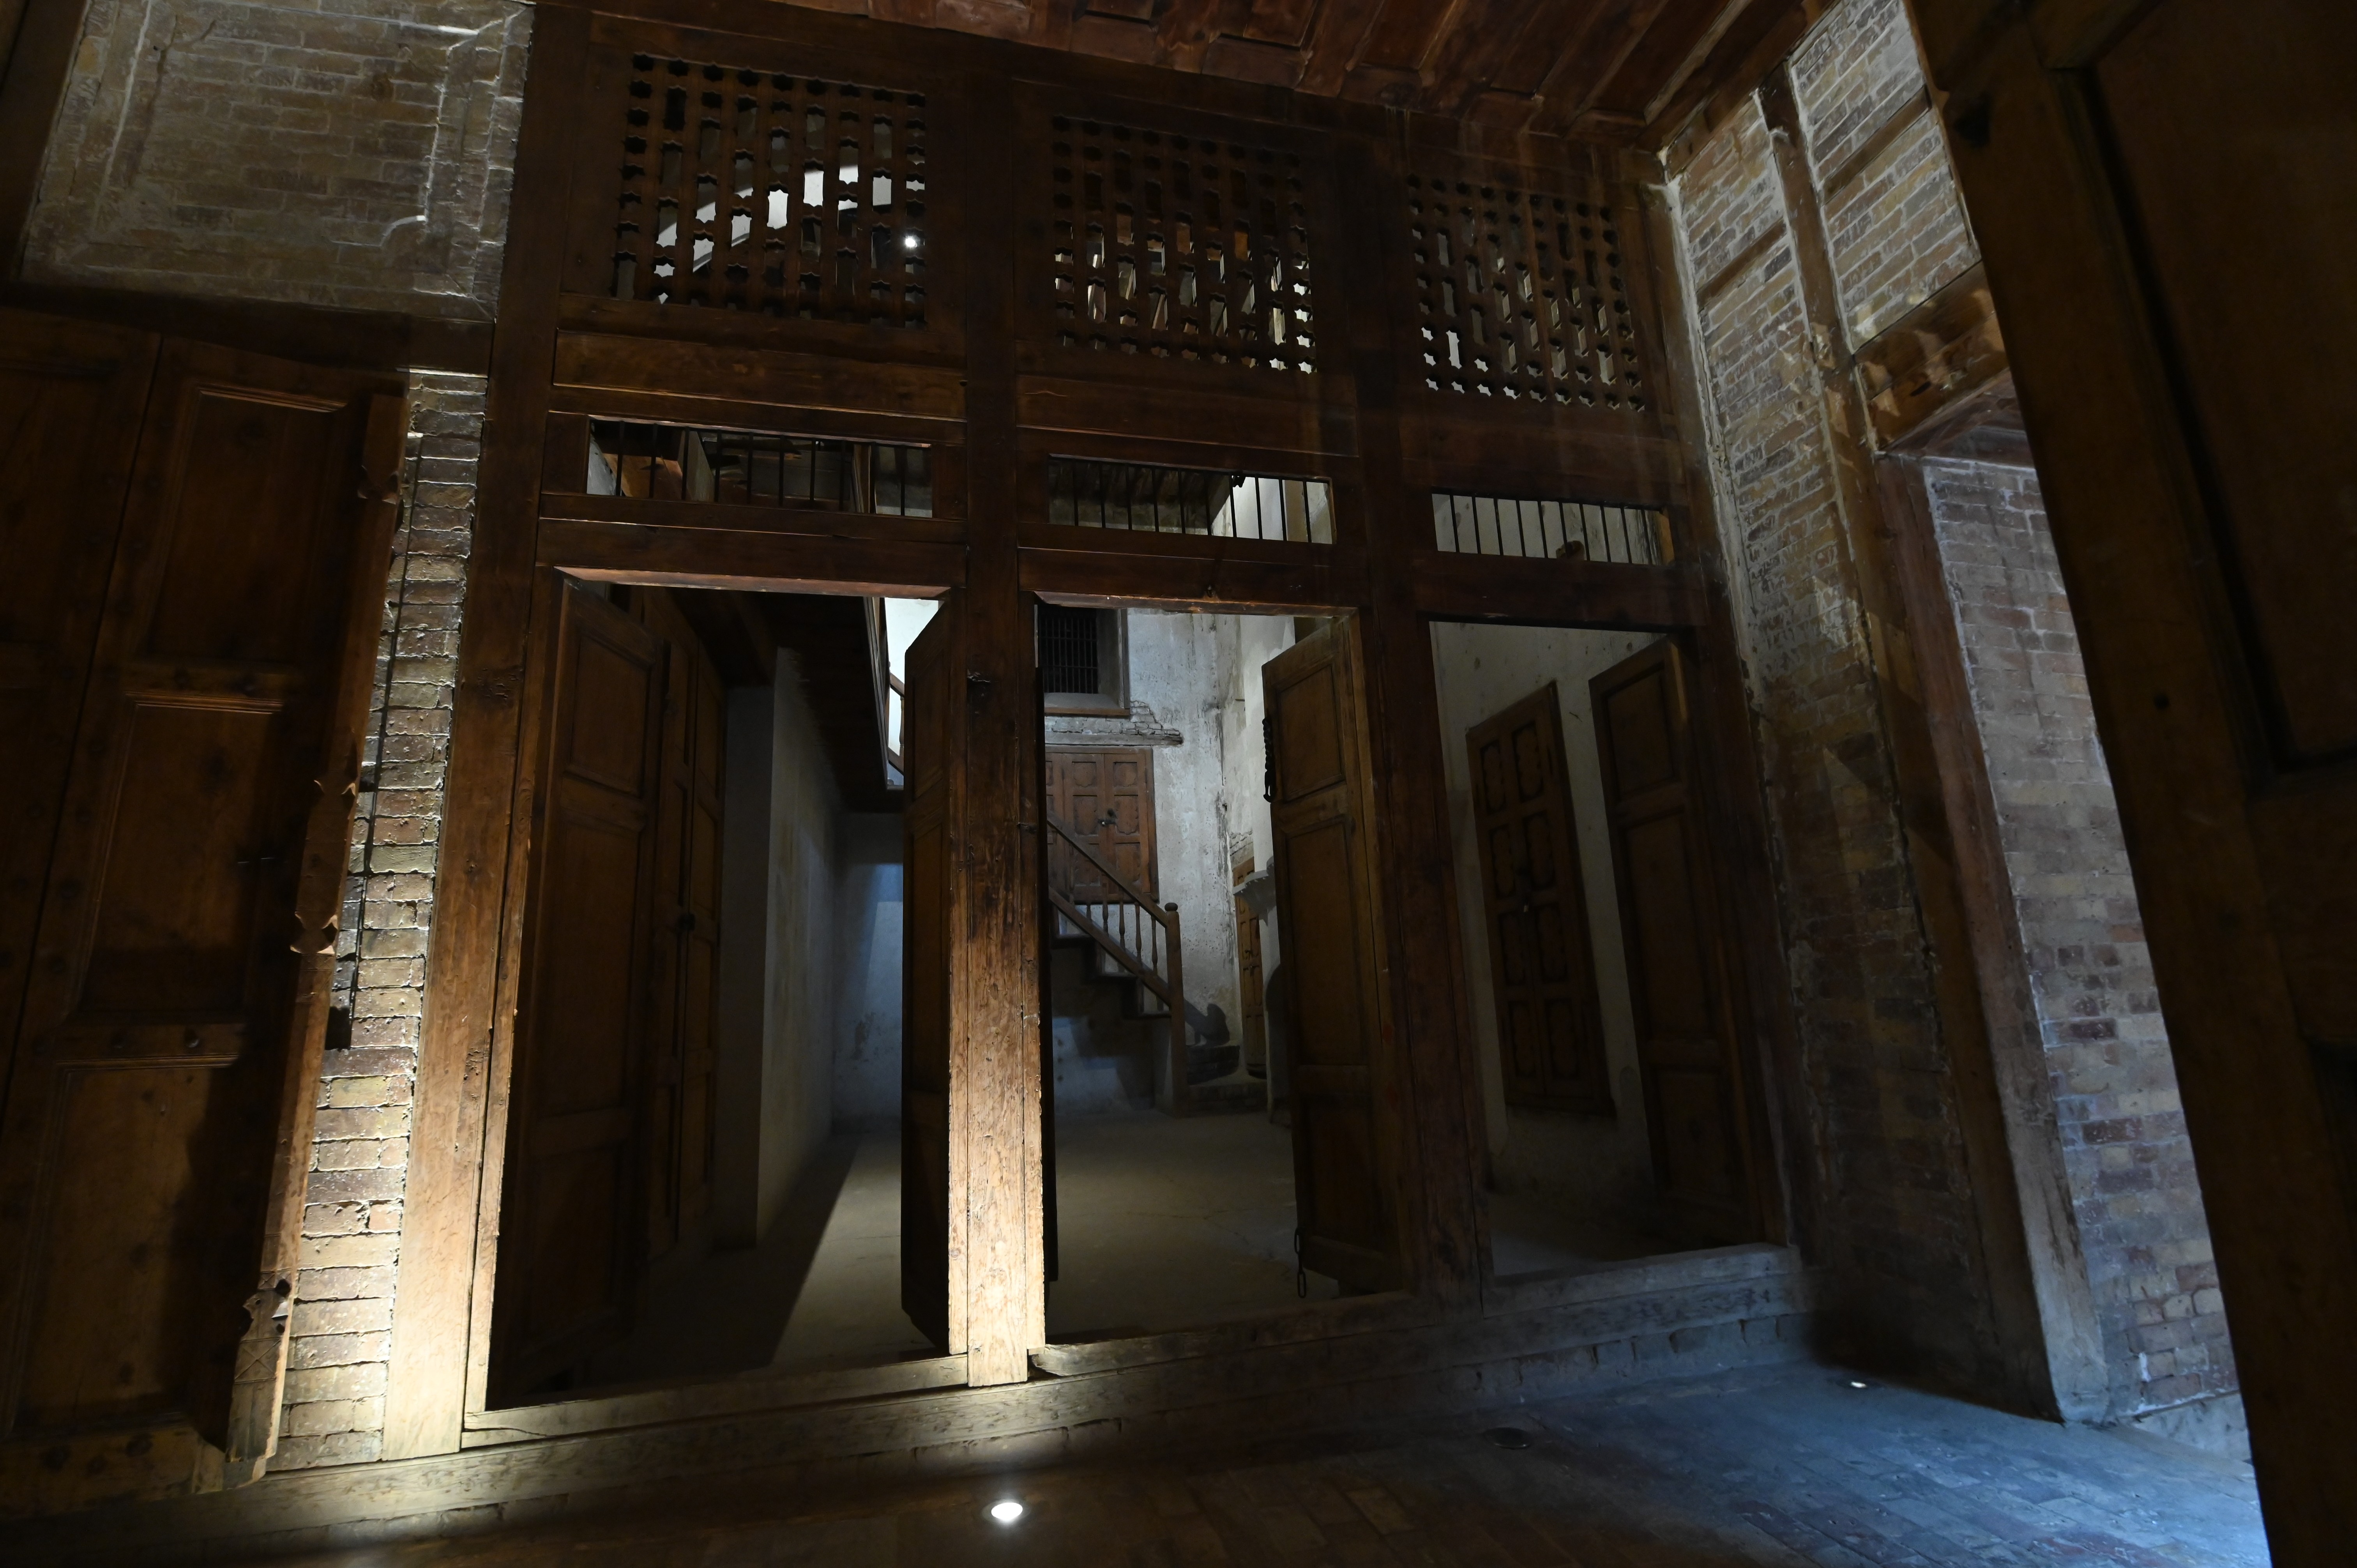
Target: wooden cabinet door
x,y
683,931
157,1121
572,1238
932,748
1330,929
1669,928
1535,900
1106,798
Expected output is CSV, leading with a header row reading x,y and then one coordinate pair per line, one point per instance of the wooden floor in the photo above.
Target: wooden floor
x,y
1790,1466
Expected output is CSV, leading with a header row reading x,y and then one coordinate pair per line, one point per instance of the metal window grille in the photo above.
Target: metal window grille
x,y
1070,650
734,467
1147,498
1550,530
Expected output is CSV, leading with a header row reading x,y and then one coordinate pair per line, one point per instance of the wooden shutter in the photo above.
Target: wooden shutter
x,y
158,1125
1542,962
571,1240
933,741
1677,971
1329,927
683,931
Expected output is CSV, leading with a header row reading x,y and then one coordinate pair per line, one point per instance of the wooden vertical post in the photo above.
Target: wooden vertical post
x,y
995,1209
1434,1137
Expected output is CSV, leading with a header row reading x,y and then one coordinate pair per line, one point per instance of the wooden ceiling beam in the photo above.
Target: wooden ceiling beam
x,y
1338,40
1582,72
1468,55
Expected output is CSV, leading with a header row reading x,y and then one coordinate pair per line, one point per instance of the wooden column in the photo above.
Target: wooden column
x,y
1435,1137
2173,249
995,1218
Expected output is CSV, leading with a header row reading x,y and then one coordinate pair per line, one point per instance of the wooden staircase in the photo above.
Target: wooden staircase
x,y
1131,937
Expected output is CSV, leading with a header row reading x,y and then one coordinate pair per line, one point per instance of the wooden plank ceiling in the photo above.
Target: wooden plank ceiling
x,y
1597,69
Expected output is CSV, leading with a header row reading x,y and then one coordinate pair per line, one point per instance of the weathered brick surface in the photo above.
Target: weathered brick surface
x,y
360,1155
1894,223
1902,1240
327,154
2134,1190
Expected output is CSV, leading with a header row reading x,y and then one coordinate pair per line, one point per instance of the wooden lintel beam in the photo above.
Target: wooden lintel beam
x,y
775,563
1559,593
1232,583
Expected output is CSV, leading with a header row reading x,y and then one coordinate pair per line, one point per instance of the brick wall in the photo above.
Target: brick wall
x,y
324,154
2133,1190
1894,220
1900,1237
360,1157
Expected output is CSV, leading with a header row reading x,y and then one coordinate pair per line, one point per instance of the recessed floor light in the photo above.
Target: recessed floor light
x,y
1007,1510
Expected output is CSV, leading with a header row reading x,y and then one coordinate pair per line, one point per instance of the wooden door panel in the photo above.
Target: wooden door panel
x,y
123,1262
71,400
1688,1051
151,1153
572,1213
1328,954
1542,964
194,830
935,763
1106,798
1330,923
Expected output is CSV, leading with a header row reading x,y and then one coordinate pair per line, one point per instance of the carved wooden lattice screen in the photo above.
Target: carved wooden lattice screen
x,y
1520,294
758,190
1182,246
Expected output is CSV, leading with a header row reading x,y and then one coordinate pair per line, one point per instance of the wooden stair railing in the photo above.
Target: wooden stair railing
x,y
1141,936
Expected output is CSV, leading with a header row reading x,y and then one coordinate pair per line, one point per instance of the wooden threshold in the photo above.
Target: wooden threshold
x,y
1300,1386
1287,1326
1671,1271
690,1402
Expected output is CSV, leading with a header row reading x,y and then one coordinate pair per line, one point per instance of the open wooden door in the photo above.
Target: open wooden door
x,y
572,1238
933,755
684,931
158,1125
1542,962
1330,926
1686,1049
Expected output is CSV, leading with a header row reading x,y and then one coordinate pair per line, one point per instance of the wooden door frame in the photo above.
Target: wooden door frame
x,y
1731,795
1363,422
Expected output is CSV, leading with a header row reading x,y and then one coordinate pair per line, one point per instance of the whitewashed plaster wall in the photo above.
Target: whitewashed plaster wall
x,y
798,1071
868,967
1600,1165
